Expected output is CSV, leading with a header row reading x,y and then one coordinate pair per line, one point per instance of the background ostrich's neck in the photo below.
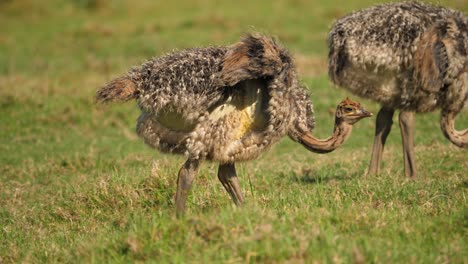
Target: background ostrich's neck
x,y
341,133
447,124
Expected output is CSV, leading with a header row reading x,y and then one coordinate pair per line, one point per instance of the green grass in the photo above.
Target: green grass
x,y
77,185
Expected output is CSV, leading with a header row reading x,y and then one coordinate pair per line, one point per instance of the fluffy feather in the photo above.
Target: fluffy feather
x,y
220,103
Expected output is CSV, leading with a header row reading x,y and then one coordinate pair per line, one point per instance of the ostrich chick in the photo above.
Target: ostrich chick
x,y
225,104
409,56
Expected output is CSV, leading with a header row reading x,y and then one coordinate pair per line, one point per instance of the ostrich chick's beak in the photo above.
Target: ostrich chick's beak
x,y
364,113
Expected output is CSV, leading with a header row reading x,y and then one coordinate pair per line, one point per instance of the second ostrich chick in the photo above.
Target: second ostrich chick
x,y
224,104
407,56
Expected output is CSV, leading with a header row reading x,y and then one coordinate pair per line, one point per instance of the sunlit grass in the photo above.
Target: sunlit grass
x,y
77,185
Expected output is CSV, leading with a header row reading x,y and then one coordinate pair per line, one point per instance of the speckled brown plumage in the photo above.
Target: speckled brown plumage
x,y
410,56
192,83
225,104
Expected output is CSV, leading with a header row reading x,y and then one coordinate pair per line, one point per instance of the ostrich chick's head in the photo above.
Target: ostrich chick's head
x,y
350,112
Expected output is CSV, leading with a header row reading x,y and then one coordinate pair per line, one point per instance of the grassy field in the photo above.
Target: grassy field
x,y
77,185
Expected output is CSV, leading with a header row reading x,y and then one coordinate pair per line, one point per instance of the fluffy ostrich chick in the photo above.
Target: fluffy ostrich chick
x,y
409,56
224,104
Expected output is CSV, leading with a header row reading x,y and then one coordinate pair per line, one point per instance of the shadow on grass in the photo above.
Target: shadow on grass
x,y
315,179
309,176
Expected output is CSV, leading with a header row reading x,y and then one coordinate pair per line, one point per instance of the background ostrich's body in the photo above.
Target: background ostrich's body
x,y
224,104
408,56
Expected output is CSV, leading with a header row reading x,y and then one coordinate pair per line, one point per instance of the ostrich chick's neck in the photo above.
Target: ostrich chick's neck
x,y
341,133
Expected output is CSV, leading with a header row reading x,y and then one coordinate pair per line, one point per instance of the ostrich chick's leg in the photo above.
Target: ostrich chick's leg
x,y
186,176
406,120
382,129
228,177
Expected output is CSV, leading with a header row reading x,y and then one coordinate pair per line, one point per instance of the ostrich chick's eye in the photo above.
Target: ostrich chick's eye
x,y
348,109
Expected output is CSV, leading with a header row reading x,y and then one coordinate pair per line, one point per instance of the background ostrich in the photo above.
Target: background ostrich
x,y
225,104
409,56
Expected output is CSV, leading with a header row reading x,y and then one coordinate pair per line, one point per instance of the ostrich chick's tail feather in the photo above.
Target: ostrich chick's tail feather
x,y
120,89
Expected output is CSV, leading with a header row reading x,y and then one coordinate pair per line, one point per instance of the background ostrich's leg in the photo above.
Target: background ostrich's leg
x,y
382,129
186,176
228,177
406,120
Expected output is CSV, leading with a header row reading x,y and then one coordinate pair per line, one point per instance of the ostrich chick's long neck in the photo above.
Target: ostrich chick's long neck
x,y
447,124
341,133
